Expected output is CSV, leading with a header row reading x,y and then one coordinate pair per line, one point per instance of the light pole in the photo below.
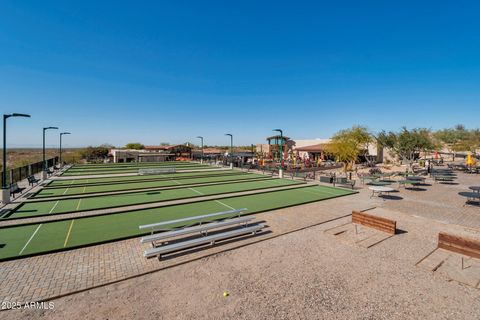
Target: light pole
x,y
280,166
201,141
5,189
44,172
231,149
60,160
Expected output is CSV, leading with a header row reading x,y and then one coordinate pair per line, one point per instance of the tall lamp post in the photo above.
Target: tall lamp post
x,y
5,189
201,141
44,172
231,149
61,134
280,166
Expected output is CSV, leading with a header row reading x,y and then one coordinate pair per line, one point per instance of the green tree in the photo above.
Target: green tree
x,y
135,146
94,153
349,144
406,144
452,138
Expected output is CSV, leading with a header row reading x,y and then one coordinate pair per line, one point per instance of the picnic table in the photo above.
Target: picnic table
x,y
442,178
415,178
471,197
475,189
380,190
379,183
409,182
369,177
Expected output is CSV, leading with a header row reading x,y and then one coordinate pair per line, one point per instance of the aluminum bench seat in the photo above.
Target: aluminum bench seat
x,y
197,229
159,251
159,225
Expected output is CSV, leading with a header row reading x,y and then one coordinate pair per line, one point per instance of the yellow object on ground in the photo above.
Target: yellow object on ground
x,y
470,160
226,294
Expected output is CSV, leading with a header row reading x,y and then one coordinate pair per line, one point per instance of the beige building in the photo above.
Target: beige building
x,y
151,154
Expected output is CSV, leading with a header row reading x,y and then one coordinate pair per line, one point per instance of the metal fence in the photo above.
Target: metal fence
x,y
20,173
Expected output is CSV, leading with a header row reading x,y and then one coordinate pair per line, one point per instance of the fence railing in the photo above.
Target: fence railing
x,y
20,173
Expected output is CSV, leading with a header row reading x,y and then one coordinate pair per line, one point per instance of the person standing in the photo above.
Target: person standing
x,y
427,166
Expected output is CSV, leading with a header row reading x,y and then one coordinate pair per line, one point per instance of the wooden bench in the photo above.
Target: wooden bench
x,y
32,180
159,251
459,244
379,223
201,229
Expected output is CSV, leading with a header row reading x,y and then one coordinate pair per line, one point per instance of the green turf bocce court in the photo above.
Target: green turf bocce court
x,y
25,239
134,168
30,209
88,189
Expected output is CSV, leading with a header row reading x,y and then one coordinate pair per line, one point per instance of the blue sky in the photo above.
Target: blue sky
x,y
167,71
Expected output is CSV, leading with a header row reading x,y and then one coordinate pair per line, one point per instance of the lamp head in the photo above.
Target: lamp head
x,y
16,115
20,115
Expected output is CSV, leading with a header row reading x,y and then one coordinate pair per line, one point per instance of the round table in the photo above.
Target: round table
x,y
415,178
471,197
379,183
409,182
443,178
380,190
475,188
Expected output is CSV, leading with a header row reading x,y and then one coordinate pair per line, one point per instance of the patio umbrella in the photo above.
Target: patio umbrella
x,y
470,160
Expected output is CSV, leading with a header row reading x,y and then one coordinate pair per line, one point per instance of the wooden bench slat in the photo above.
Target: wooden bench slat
x,y
373,223
379,223
459,244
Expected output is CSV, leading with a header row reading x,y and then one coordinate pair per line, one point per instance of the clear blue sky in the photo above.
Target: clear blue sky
x,y
167,71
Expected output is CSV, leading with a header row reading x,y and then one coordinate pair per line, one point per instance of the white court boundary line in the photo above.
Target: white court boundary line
x,y
54,206
64,192
316,192
196,191
33,235
226,205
